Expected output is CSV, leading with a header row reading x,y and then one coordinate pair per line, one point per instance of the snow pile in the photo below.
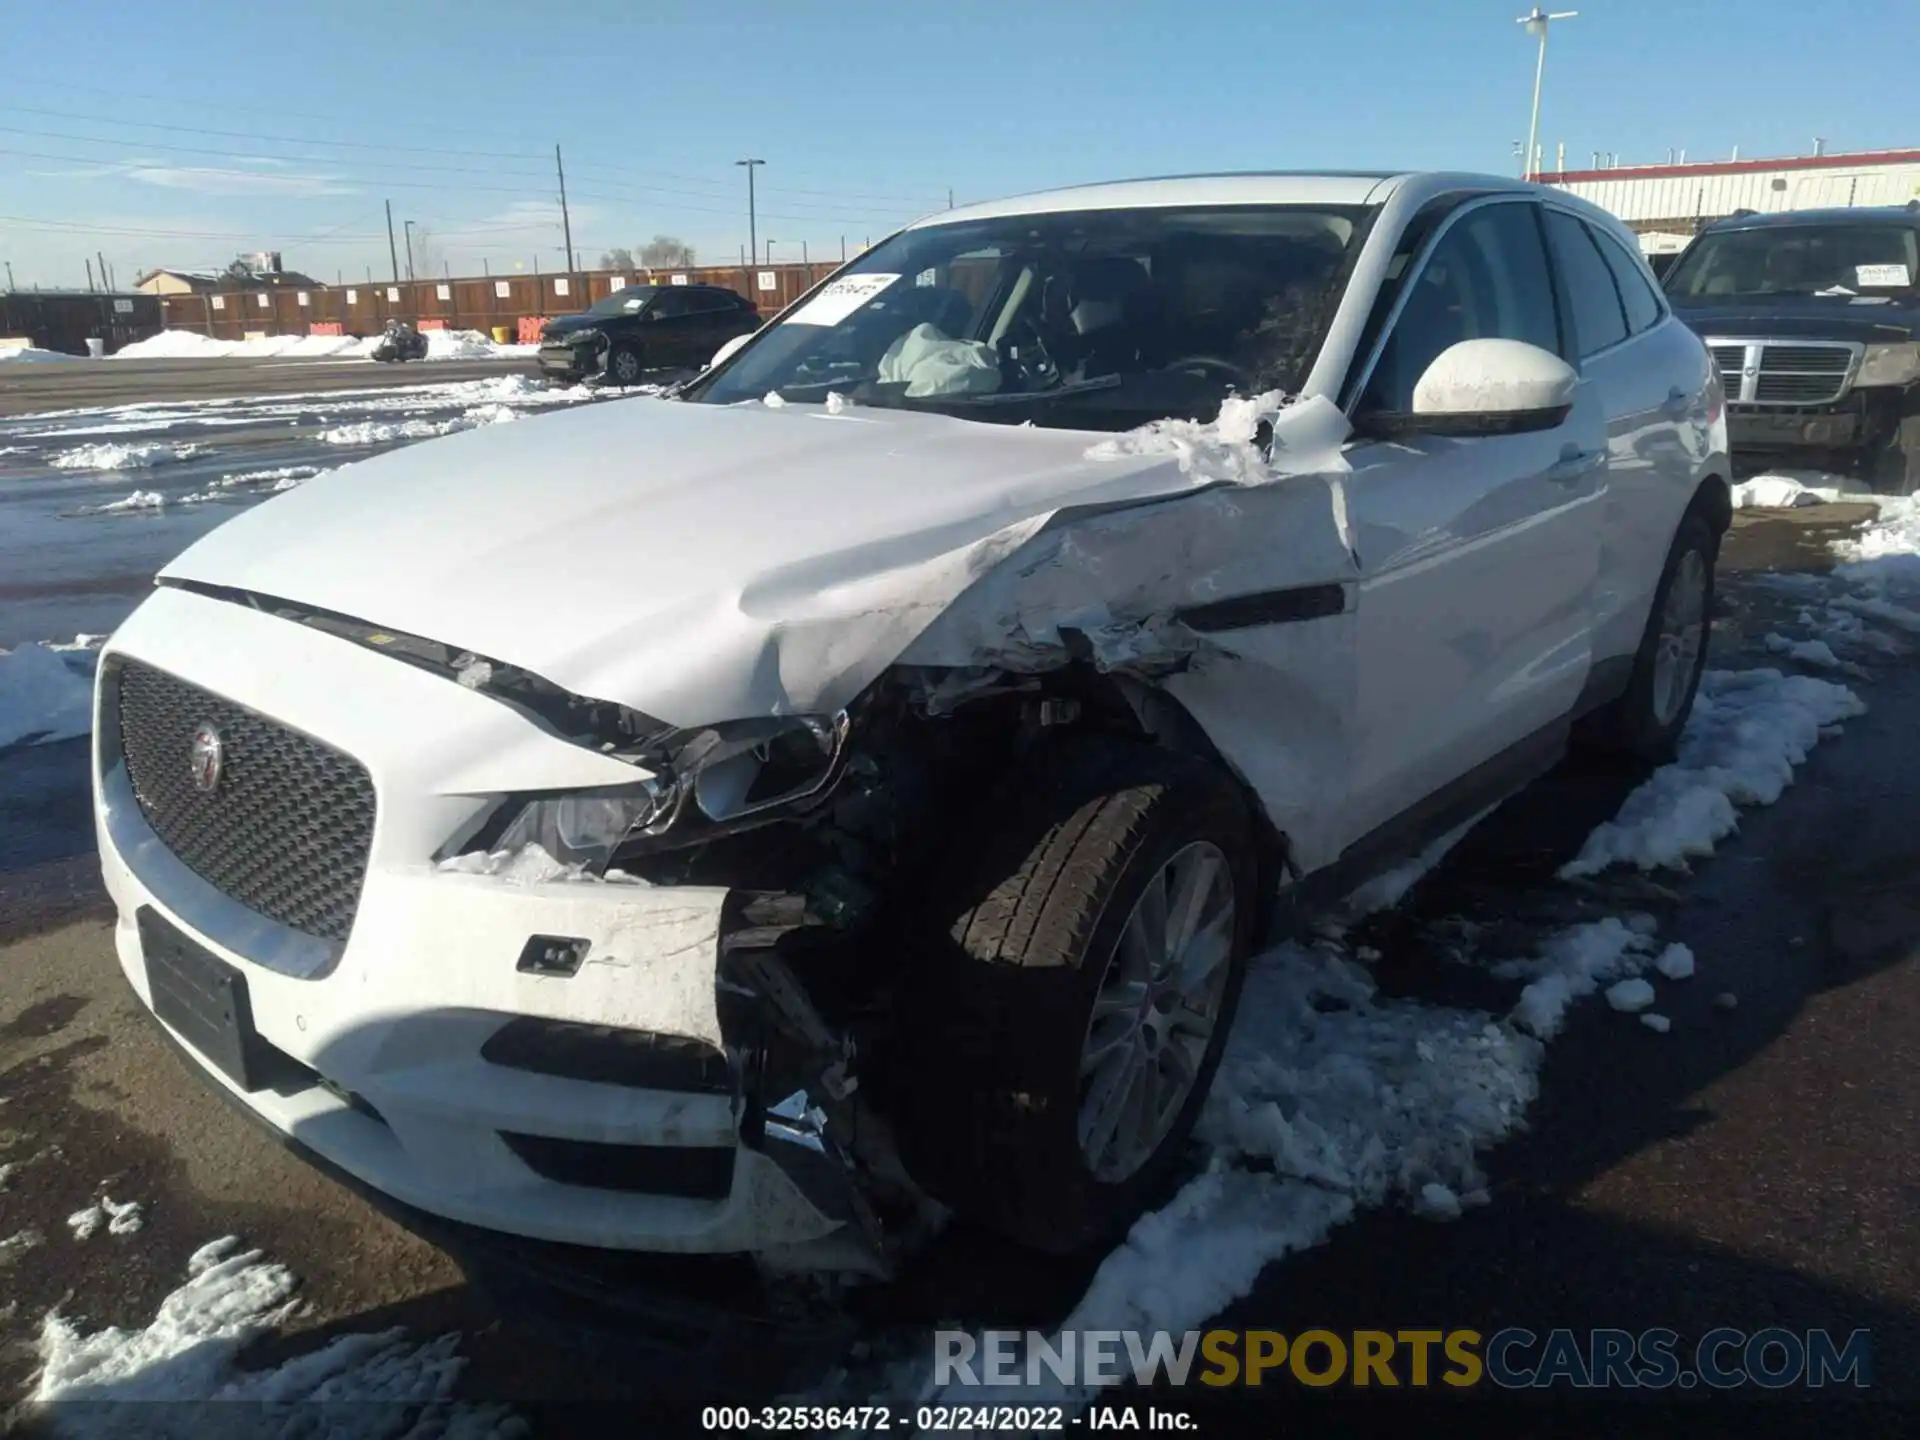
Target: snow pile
x,y
172,345
46,693
1816,653
1885,556
1573,965
1749,729
187,1352
190,344
380,432
121,457
280,477
1221,450
1783,491
138,500
1675,962
120,1219
1630,997
29,355
459,345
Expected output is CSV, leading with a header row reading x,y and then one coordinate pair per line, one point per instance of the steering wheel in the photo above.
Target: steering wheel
x,y
1036,367
1213,365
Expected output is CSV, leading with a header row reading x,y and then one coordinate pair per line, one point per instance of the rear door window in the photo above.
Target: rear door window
x,y
1636,292
1599,319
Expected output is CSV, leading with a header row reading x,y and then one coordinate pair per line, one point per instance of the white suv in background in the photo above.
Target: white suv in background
x,y
767,819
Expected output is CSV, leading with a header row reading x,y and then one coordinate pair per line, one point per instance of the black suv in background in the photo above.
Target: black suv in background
x,y
1813,318
645,327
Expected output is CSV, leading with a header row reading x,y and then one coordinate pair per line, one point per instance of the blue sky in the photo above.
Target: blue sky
x,y
221,127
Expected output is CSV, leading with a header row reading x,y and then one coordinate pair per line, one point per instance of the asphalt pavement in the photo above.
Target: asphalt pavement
x,y
1753,1167
27,389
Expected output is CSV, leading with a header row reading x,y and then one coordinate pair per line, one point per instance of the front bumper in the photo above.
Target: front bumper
x,y
1838,435
573,362
386,1079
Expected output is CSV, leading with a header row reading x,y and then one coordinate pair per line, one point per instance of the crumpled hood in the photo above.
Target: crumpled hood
x,y
695,562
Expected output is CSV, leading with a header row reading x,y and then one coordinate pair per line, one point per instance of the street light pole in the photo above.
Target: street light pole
x,y
769,251
408,228
753,238
1537,22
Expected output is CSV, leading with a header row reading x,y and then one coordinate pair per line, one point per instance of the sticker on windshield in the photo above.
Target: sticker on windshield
x,y
1881,275
840,298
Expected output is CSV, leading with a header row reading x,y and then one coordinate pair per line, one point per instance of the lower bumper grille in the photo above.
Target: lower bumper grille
x,y
270,817
690,1172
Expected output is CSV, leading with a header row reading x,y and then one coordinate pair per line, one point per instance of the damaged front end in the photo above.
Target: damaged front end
x,y
826,835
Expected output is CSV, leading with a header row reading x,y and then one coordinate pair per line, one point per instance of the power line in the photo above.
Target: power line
x,y
824,213
713,184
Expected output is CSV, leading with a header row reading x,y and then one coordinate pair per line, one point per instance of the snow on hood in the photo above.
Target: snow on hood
x,y
702,562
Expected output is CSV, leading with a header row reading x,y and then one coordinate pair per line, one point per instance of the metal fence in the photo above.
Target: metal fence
x,y
520,304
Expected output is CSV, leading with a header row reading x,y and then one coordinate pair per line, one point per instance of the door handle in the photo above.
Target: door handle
x,y
1574,464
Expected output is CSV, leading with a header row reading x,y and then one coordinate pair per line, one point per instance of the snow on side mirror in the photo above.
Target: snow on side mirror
x,y
1486,387
726,351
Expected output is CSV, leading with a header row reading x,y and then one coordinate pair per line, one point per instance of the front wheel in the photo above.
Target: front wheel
x,y
623,365
1062,1041
1645,722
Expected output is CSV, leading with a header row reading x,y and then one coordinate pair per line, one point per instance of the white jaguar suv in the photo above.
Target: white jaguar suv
x,y
771,818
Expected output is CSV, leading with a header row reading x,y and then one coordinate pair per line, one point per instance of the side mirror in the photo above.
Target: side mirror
x,y
726,351
1484,387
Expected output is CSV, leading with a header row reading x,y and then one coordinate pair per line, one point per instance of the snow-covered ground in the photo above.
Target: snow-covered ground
x,y
191,345
357,1387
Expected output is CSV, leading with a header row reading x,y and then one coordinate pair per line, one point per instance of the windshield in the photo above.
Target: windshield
x,y
1798,260
630,301
1084,320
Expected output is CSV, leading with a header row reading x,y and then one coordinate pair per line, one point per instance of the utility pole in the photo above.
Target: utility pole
x,y
392,253
9,276
753,236
406,230
843,249
769,252
949,197
101,256
1537,22
566,220
89,265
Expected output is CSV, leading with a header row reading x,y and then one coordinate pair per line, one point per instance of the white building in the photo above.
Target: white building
x,y
1676,198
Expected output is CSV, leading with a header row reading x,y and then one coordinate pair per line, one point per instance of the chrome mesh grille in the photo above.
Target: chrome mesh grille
x,y
287,830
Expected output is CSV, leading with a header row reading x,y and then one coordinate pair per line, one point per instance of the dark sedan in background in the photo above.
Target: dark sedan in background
x,y
645,328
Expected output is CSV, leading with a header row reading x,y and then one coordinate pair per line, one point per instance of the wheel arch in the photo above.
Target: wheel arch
x,y
1713,498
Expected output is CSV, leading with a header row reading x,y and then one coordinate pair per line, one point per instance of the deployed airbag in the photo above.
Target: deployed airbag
x,y
931,363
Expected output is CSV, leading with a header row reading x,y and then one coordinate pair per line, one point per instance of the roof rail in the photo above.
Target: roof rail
x,y
1742,214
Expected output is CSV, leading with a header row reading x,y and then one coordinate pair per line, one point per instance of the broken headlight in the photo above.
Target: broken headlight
x,y
709,780
1890,364
582,827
